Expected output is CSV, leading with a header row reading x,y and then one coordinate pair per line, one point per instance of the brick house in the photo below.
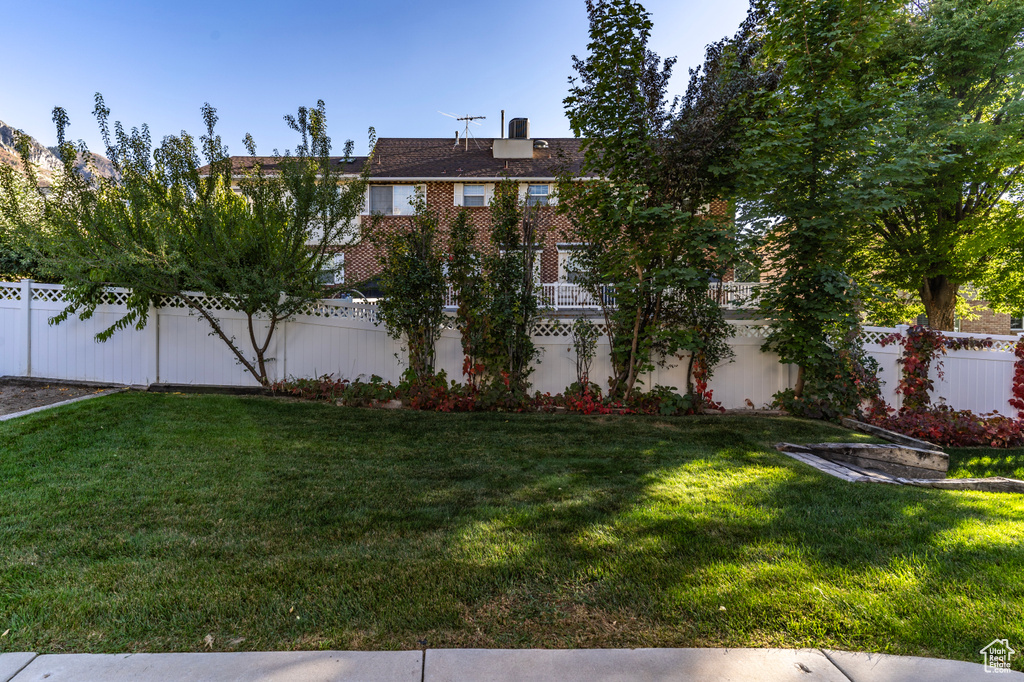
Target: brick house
x,y
987,321
456,173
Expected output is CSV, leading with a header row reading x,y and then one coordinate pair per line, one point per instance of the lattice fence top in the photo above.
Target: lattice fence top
x,y
874,336
344,312
47,295
10,291
991,344
208,302
115,297
543,328
751,331
551,328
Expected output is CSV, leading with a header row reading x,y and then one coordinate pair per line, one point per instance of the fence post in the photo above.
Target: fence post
x,y
153,373
26,315
901,329
282,349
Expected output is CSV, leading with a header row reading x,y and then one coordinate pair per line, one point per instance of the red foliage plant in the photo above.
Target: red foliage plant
x,y
941,424
920,347
1017,401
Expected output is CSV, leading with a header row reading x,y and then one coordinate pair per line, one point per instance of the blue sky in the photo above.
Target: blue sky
x,y
391,64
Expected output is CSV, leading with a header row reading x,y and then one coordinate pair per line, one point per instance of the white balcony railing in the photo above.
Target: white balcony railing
x,y
558,295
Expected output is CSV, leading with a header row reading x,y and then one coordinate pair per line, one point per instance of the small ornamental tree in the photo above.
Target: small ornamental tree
x,y
511,299
412,276
168,229
464,277
584,334
497,298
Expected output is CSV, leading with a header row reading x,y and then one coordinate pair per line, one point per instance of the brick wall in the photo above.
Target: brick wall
x,y
361,259
987,322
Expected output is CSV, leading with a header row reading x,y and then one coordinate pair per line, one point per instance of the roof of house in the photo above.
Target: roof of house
x,y
240,164
434,157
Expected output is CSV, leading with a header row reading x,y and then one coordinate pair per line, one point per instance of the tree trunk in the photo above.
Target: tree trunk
x,y
689,374
798,390
939,297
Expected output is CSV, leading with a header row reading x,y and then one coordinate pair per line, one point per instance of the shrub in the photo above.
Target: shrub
x,y
356,393
943,425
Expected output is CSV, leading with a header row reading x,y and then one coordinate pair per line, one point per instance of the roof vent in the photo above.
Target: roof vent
x,y
519,129
540,144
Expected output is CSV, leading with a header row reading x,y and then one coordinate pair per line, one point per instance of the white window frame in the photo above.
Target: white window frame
x,y
481,194
396,209
565,252
530,196
338,260
1019,320
459,192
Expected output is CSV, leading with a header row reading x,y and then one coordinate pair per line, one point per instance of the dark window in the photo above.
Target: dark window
x,y
382,199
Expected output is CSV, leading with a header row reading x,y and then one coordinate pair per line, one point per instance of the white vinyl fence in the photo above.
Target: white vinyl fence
x,y
343,339
979,380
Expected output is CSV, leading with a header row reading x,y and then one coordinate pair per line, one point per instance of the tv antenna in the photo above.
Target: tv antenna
x,y
465,133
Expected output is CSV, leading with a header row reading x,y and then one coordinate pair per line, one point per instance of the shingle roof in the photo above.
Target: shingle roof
x,y
240,164
438,157
431,157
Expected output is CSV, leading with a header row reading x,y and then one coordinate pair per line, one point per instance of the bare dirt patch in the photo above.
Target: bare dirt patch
x,y
16,395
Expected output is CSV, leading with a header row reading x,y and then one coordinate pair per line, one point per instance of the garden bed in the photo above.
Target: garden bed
x,y
17,394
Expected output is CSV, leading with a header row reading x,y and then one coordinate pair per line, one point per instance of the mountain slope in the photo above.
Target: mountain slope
x,y
44,159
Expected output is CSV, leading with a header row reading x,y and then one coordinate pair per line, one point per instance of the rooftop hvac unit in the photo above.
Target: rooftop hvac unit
x,y
519,129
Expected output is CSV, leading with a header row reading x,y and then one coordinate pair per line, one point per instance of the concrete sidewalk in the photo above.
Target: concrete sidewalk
x,y
495,665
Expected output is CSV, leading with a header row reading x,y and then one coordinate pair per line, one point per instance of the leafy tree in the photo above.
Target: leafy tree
x,y
645,225
510,289
412,276
804,159
497,294
954,152
16,258
465,278
166,229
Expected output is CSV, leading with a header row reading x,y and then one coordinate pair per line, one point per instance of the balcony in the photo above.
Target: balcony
x,y
564,296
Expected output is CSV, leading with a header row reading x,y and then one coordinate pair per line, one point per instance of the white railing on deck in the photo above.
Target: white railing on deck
x,y
559,295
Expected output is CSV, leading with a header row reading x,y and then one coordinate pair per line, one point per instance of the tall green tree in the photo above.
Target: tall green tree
x,y
497,296
646,231
803,164
510,291
953,151
165,228
412,277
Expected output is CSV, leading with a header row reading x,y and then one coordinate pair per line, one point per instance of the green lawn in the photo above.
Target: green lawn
x,y
142,522
983,462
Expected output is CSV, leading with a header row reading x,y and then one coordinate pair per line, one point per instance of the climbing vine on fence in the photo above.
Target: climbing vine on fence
x,y
941,424
1017,401
921,346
